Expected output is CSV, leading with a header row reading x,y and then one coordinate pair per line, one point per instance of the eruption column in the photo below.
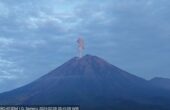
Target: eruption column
x,y
80,42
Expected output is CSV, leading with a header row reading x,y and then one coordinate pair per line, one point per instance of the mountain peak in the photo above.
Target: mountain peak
x,y
89,59
88,65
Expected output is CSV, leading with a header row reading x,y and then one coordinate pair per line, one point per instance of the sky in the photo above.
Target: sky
x,y
37,36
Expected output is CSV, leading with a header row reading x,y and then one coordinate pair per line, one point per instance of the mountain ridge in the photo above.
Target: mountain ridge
x,y
161,82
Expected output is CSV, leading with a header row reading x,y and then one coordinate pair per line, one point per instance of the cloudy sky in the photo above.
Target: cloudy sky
x,y
36,36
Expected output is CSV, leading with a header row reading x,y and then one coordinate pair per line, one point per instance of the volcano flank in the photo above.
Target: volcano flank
x,y
92,83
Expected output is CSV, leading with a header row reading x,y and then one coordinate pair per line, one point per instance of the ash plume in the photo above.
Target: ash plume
x,y
80,42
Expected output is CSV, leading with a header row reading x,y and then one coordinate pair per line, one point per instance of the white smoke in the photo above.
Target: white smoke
x,y
80,42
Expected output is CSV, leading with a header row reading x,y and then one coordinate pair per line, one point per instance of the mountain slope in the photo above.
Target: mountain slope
x,y
161,82
91,83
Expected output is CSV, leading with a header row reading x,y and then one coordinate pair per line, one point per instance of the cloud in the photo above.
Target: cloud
x,y
4,42
9,70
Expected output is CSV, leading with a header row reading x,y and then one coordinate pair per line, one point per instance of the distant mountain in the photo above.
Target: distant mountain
x,y
161,82
92,83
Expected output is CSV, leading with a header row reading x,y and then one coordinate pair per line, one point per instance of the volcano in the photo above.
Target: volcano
x,y
92,83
